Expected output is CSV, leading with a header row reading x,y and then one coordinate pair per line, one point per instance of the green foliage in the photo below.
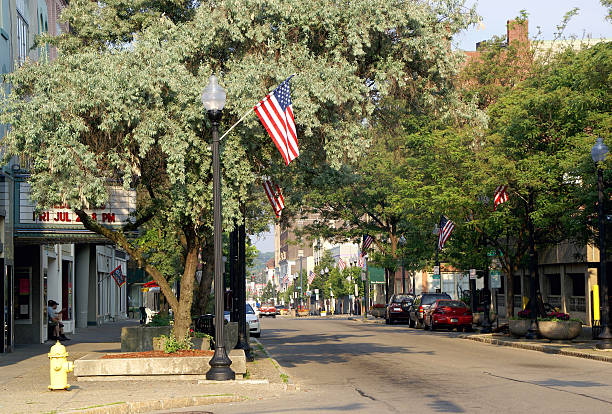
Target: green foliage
x,y
160,319
172,344
268,293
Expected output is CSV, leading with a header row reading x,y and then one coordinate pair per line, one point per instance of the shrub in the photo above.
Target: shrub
x,y
161,319
172,344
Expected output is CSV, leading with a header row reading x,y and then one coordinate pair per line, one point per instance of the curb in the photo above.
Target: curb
x,y
539,348
148,406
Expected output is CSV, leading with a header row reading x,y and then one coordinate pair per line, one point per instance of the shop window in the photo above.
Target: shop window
x,y
23,294
577,284
22,39
516,281
554,284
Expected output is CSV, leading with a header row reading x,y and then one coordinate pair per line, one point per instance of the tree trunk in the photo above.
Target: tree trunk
x,y
182,316
208,269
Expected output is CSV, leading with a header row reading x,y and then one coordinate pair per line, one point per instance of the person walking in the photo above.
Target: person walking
x,y
55,321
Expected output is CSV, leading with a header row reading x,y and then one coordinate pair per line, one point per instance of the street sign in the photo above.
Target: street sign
x,y
436,277
436,270
472,273
495,279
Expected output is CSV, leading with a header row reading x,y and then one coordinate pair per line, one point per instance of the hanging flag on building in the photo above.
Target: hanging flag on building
x,y
275,196
341,264
285,280
311,277
276,114
446,228
367,241
118,275
500,196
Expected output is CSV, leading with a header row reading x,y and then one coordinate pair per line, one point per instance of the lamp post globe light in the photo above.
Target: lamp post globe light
x,y
213,99
598,154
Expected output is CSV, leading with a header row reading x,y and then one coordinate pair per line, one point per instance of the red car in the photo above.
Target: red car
x,y
267,309
449,314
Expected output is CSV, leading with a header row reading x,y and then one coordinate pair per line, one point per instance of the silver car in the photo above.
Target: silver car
x,y
253,321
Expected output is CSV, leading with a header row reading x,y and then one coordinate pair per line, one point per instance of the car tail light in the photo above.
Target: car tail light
x,y
421,310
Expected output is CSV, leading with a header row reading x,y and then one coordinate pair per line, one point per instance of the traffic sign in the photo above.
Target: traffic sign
x,y
436,277
436,270
472,273
495,279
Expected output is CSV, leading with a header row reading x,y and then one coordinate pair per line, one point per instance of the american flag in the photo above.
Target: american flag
x,y
361,261
341,264
276,114
446,228
500,196
311,277
285,280
367,241
275,196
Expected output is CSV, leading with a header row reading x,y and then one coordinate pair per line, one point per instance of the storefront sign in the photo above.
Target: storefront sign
x,y
116,211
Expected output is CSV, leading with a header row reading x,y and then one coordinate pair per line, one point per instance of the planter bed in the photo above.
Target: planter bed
x,y
160,354
560,330
114,367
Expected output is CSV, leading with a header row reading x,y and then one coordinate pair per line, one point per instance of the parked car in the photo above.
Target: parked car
x,y
450,314
420,306
253,321
279,308
398,308
267,309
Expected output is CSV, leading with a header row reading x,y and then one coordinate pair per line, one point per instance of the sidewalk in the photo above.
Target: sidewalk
x,y
25,377
581,347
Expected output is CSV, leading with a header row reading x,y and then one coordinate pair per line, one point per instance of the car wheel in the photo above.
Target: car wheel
x,y
433,326
467,328
274,316
387,321
410,323
256,334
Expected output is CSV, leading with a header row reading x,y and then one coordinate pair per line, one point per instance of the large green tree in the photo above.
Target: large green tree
x,y
121,102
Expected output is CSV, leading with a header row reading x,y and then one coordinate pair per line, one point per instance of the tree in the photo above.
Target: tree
x,y
121,104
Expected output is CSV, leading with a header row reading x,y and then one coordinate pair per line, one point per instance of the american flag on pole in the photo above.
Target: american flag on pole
x,y
311,277
276,114
361,261
285,280
500,196
367,241
446,228
341,264
275,196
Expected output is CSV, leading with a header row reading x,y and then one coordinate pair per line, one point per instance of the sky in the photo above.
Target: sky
x,y
547,14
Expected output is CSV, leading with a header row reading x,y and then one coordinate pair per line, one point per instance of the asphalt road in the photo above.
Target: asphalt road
x,y
348,366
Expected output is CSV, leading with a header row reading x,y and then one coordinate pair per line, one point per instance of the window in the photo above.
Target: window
x,y
23,294
22,39
577,283
554,284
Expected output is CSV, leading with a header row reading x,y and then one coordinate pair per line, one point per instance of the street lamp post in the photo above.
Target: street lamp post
x,y
598,154
213,98
436,232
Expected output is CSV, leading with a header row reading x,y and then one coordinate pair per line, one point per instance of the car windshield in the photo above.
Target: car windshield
x,y
249,309
401,298
451,304
429,299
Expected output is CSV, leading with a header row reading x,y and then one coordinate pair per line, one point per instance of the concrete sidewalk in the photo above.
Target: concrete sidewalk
x,y
581,347
25,377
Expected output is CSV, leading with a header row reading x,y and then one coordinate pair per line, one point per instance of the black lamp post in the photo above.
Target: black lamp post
x,y
598,154
301,305
213,98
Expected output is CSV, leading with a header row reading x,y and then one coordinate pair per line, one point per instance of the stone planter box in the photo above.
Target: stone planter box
x,y
198,343
378,312
140,338
92,367
519,327
560,330
303,313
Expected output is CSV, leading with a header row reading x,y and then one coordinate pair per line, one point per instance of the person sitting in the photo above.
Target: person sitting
x,y
55,321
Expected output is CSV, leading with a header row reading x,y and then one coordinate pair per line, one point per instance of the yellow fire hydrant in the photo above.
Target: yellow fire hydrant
x,y
60,367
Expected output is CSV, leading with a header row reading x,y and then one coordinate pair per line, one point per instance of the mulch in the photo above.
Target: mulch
x,y
160,354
